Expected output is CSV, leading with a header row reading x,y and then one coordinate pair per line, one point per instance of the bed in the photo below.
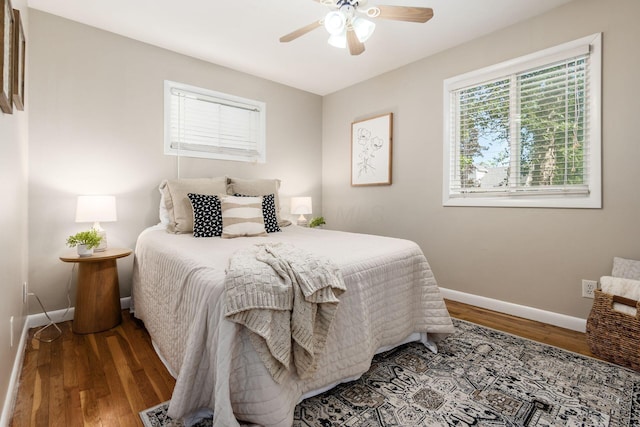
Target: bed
x,y
178,291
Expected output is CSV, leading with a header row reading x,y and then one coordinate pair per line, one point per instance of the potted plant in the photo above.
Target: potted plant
x,y
85,241
317,222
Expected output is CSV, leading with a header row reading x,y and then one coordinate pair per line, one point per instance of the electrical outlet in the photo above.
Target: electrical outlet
x,y
25,292
588,288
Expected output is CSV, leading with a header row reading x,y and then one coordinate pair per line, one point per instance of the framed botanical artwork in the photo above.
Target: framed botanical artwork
x,y
371,151
19,46
6,63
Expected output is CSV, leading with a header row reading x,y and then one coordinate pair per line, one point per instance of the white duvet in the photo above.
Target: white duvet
x,y
178,293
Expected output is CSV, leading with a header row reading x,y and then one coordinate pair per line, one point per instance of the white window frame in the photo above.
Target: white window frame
x,y
258,152
591,198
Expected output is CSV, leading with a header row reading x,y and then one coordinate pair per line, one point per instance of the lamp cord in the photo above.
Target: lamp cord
x,y
38,333
51,323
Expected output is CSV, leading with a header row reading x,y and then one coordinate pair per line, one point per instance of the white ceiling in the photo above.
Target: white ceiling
x,y
243,34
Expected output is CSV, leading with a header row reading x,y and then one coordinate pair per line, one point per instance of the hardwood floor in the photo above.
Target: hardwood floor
x,y
101,379
105,379
536,331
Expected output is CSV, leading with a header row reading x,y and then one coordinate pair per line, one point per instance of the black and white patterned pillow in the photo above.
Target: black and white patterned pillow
x,y
207,215
268,212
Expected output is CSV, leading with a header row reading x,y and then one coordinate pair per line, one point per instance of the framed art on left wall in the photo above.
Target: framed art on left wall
x,y
6,59
19,47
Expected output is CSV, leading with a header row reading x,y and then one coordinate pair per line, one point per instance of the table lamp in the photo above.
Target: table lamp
x,y
95,209
301,206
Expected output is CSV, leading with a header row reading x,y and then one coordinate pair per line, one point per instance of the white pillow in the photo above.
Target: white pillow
x,y
626,268
241,216
163,213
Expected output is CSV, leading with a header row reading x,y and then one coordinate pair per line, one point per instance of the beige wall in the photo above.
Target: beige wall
x,y
13,222
532,257
96,126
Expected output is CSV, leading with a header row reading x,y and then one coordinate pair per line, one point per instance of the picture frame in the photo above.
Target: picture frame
x,y
19,48
6,63
371,151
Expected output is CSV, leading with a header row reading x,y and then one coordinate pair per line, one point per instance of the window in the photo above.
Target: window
x,y
526,132
204,123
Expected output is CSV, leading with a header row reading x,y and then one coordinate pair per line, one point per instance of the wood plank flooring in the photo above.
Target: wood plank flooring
x,y
105,379
536,331
101,379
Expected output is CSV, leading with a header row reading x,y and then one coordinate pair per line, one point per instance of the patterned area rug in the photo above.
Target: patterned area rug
x,y
481,377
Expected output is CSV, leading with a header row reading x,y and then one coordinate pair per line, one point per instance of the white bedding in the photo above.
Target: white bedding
x,y
177,292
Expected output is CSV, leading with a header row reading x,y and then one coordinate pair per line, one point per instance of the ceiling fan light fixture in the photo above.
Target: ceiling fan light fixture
x,y
350,24
363,28
338,40
335,22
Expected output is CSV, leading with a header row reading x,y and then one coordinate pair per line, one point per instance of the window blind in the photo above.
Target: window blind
x,y
524,133
201,124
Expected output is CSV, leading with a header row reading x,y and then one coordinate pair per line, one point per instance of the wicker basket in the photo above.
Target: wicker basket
x,y
613,335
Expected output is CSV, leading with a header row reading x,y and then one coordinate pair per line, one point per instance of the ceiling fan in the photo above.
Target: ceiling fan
x,y
348,25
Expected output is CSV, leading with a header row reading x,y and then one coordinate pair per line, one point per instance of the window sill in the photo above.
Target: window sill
x,y
593,201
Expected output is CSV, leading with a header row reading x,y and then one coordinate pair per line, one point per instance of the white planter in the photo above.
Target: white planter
x,y
84,251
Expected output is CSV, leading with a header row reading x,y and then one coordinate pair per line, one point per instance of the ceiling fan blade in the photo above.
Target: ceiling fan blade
x,y
300,32
401,13
356,47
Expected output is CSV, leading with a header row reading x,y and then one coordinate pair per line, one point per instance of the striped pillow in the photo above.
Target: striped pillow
x,y
242,216
268,212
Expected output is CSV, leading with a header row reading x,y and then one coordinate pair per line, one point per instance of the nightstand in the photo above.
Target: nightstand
x,y
98,296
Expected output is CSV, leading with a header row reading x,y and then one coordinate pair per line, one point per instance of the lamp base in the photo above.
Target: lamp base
x,y
302,221
103,241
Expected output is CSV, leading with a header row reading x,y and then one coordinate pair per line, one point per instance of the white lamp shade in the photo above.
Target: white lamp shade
x,y
363,28
338,40
335,22
301,205
96,209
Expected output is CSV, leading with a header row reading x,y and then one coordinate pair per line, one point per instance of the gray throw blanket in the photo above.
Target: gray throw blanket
x,y
287,298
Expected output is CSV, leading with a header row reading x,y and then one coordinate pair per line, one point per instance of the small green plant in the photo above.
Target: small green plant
x,y
317,221
91,238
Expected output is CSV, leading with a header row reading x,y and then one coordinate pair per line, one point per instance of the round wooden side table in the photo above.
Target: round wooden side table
x,y
98,296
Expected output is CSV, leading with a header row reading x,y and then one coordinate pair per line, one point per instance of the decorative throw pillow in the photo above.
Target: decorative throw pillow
x,y
252,187
626,268
242,216
268,212
177,203
207,215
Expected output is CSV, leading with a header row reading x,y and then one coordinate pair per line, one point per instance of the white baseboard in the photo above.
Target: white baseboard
x,y
40,319
14,380
549,317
